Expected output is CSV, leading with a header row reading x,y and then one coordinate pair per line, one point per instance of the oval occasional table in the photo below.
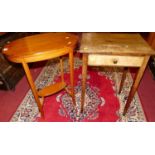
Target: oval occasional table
x,y
41,47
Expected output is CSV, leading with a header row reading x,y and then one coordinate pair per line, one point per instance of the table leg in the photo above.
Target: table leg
x,y
32,85
62,69
136,83
123,79
71,63
84,78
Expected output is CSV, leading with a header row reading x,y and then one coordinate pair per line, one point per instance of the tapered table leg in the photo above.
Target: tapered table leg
x,y
84,77
32,85
136,83
62,69
123,79
71,63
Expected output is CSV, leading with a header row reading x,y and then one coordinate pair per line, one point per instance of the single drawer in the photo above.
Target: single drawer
x,y
111,60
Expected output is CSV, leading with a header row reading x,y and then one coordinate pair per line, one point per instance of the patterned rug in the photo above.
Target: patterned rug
x,y
103,104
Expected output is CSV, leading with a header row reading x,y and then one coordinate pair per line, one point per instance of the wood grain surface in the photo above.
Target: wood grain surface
x,y
115,44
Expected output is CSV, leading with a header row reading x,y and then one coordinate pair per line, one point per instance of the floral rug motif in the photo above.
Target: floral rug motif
x,y
28,110
92,101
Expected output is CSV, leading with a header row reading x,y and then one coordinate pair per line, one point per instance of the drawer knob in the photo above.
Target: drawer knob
x,y
115,61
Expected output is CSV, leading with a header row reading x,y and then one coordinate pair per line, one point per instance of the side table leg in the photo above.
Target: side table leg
x,y
71,64
136,83
123,79
84,77
62,69
32,85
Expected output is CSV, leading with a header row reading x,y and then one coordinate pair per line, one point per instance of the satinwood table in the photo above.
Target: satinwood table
x,y
41,47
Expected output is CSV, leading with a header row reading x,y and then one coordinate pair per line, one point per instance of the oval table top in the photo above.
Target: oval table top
x,y
40,47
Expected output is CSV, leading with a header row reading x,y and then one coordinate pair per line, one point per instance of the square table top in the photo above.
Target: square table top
x,y
114,44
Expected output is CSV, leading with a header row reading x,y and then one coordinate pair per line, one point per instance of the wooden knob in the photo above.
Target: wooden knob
x,y
115,61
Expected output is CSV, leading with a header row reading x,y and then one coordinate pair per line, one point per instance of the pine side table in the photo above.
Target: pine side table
x,y
115,50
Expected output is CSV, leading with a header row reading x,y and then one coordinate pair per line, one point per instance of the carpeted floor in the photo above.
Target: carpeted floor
x,y
102,102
